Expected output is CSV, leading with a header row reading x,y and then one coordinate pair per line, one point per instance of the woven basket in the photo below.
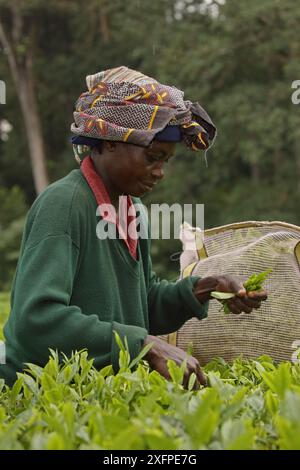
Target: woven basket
x,y
243,249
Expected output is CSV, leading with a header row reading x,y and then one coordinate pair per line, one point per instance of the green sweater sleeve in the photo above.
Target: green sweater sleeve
x,y
171,304
44,318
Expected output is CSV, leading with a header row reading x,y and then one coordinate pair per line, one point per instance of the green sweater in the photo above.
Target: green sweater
x,y
72,290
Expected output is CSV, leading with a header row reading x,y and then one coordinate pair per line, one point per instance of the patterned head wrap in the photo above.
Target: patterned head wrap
x,y
126,106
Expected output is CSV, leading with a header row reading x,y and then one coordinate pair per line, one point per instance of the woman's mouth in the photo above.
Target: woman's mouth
x,y
148,186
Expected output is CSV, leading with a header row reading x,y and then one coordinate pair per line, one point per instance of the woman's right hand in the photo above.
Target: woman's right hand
x,y
162,351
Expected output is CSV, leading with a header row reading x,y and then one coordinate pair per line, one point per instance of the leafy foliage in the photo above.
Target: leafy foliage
x,y
71,405
239,64
4,310
12,209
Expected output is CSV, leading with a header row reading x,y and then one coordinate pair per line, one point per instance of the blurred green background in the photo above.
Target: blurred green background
x,y
237,58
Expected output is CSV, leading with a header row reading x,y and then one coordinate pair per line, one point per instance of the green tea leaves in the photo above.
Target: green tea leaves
x,y
255,282
247,405
69,404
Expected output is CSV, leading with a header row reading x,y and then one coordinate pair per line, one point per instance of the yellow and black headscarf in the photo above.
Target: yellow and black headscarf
x,y
126,106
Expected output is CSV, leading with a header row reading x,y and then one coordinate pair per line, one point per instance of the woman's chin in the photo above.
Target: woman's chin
x,y
141,190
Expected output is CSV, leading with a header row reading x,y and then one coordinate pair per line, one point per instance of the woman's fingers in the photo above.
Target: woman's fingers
x,y
258,295
247,303
228,283
233,306
193,366
238,305
251,302
201,377
242,305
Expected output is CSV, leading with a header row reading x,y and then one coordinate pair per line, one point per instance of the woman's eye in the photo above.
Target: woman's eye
x,y
152,158
156,158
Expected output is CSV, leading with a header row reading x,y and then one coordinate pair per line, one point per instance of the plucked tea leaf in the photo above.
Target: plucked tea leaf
x,y
222,295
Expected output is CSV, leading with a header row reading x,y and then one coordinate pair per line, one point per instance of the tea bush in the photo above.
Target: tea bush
x,y
250,404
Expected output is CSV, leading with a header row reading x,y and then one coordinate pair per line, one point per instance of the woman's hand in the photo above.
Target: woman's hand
x,y
161,352
242,302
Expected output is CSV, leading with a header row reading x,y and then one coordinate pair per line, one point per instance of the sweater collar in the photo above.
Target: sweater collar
x,y
127,215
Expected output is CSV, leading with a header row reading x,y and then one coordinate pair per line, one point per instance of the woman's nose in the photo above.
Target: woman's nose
x,y
158,172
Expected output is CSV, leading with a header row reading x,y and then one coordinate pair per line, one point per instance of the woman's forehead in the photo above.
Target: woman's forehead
x,y
167,147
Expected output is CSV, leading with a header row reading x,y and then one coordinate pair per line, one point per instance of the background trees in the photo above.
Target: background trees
x,y
237,58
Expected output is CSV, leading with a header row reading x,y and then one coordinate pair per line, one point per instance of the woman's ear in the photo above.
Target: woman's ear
x,y
95,152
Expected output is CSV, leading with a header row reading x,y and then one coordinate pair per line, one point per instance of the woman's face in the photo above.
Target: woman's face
x,y
133,170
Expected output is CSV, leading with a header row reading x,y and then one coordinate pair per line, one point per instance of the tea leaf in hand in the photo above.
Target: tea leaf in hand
x,y
255,282
222,295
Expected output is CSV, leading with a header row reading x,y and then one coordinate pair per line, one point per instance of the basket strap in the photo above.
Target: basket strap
x,y
297,252
189,269
172,338
202,253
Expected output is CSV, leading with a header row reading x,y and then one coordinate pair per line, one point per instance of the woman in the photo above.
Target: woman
x,y
73,288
